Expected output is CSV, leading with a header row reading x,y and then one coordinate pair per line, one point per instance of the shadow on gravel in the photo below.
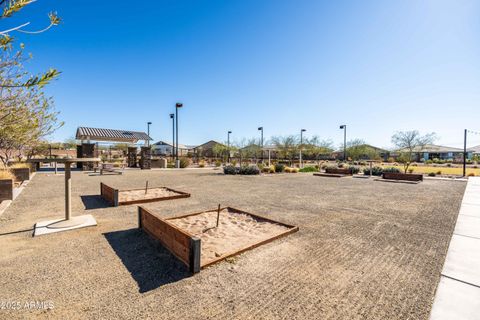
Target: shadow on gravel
x,y
94,202
150,264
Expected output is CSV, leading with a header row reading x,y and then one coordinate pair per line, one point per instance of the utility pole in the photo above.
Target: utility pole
x,y
228,145
465,153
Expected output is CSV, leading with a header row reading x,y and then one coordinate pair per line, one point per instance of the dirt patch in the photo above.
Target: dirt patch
x,y
235,231
151,193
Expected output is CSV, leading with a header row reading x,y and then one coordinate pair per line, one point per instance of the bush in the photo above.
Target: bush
x,y
432,174
288,169
471,174
184,162
391,170
391,160
279,167
308,169
294,170
230,170
249,170
439,172
233,162
376,171
6,174
201,164
429,161
354,170
218,163
260,166
410,170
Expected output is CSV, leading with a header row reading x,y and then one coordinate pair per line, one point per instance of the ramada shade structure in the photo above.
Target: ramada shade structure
x,y
111,135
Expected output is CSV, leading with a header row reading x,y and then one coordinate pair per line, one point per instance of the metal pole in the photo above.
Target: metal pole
x,y
344,142
465,153
261,142
148,133
68,191
228,148
301,143
172,116
176,128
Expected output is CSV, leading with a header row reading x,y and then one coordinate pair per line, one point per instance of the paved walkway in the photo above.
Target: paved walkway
x,y
458,293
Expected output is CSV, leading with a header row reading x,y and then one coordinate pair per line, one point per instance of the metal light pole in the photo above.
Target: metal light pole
x,y
228,145
172,116
301,145
261,141
177,105
344,127
148,133
465,153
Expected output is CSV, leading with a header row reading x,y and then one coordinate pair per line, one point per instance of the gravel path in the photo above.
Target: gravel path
x,y
365,250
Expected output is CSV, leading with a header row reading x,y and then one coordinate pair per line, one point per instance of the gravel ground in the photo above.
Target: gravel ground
x,y
365,250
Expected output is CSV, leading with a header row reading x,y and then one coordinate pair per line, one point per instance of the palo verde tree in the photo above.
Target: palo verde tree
x,y
315,147
407,142
26,115
287,147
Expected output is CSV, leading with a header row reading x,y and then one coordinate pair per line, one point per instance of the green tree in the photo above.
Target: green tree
x,y
407,142
287,146
315,147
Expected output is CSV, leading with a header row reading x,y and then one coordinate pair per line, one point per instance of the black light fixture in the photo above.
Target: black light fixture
x,y
177,105
344,127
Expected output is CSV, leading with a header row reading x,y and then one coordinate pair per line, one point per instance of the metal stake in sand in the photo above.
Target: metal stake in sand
x,y
218,215
146,187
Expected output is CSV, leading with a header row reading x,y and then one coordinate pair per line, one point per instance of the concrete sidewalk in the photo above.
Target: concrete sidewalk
x,y
458,293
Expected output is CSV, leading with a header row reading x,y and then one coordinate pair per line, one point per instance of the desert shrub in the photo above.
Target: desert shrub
x,y
272,169
249,170
362,163
324,166
471,174
233,162
279,167
266,169
449,164
201,164
414,164
260,166
170,165
6,174
429,161
340,165
294,170
439,172
391,170
431,174
19,165
354,169
308,169
376,171
229,170
184,162
391,160
410,170
288,169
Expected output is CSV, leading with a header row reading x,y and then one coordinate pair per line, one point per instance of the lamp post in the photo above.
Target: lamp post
x,y
148,133
261,141
301,145
465,153
228,145
177,105
344,127
172,116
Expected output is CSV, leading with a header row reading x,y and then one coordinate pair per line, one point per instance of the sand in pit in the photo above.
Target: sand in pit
x,y
235,231
152,193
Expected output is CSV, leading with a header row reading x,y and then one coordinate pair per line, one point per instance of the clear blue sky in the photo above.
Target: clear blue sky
x,y
378,66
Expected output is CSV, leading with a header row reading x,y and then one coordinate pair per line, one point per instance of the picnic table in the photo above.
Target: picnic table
x,y
69,222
